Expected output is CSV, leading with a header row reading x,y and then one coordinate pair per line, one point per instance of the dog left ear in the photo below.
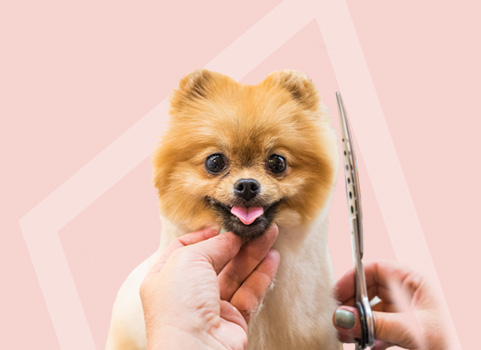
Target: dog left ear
x,y
301,88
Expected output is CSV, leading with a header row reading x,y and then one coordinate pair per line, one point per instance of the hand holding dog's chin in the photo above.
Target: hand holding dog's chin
x,y
181,296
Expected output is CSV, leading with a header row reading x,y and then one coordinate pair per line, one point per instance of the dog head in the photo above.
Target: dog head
x,y
245,156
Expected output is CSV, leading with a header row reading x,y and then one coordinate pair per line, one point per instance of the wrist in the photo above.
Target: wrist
x,y
167,337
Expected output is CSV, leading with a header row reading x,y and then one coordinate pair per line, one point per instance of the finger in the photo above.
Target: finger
x,y
188,239
230,313
345,288
233,327
346,321
247,298
396,328
182,241
250,255
218,250
382,306
393,328
380,345
381,292
389,328
381,277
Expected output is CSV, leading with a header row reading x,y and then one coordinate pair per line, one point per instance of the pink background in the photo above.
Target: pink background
x,y
75,77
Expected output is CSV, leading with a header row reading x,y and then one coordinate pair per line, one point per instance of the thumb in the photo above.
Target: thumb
x,y
394,328
218,250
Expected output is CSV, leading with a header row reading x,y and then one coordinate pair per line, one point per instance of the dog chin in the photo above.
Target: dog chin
x,y
247,232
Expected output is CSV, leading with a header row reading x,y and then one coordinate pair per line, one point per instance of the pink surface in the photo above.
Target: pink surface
x,y
77,84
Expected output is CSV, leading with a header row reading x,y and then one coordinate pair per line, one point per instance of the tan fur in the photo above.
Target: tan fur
x,y
211,113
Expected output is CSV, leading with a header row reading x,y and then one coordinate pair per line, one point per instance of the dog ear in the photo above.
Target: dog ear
x,y
301,88
192,87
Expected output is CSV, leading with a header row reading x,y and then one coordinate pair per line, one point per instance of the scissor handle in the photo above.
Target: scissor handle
x,y
362,298
364,308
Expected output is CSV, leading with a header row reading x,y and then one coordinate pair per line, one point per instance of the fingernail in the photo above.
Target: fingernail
x,y
344,319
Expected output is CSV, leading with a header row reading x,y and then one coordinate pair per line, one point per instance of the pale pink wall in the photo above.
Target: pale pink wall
x,y
75,77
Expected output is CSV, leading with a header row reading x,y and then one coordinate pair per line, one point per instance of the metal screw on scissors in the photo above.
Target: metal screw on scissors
x,y
355,219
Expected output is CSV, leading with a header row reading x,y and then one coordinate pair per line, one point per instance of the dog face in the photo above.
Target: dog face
x,y
244,156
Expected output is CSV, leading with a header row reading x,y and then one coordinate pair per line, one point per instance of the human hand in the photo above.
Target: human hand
x,y
203,289
407,315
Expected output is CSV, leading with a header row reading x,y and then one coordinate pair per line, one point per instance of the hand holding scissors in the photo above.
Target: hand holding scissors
x,y
416,322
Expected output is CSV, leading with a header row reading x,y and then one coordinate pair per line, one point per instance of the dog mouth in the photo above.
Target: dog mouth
x,y
247,215
247,221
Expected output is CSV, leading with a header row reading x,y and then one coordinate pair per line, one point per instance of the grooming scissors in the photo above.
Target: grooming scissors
x,y
355,219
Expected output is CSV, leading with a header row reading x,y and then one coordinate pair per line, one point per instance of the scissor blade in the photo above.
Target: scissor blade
x,y
352,180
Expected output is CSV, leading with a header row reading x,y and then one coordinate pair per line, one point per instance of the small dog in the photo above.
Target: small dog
x,y
243,157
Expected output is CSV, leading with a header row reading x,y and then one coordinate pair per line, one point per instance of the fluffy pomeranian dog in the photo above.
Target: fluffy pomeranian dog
x,y
243,157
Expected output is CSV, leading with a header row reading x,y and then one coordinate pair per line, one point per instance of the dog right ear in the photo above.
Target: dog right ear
x,y
192,87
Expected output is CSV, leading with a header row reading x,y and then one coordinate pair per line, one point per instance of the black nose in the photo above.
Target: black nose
x,y
247,188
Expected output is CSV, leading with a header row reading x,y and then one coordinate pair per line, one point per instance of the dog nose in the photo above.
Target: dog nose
x,y
247,188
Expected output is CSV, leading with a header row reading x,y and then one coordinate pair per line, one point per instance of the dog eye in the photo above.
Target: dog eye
x,y
215,163
277,164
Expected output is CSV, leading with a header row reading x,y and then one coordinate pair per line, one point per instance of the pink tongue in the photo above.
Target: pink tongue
x,y
247,214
